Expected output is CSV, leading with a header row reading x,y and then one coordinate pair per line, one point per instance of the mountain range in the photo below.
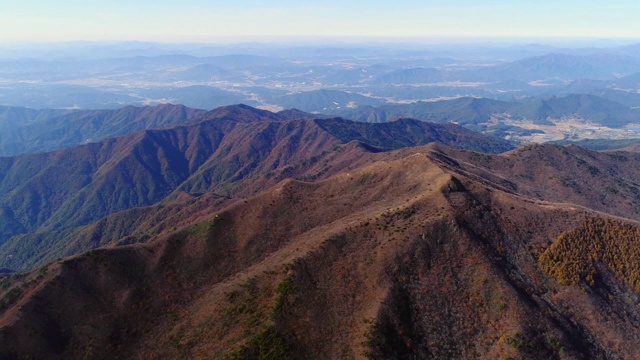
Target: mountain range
x,y
230,151
312,78
242,233
366,220
472,111
27,130
395,254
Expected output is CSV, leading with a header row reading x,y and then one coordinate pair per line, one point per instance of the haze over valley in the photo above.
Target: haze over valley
x,y
546,92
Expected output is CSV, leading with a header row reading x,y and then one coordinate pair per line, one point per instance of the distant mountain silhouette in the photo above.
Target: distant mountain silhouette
x,y
602,144
46,130
557,66
629,82
462,110
469,111
12,117
588,107
202,72
195,96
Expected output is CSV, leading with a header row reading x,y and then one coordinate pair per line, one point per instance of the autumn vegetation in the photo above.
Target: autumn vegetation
x,y
581,254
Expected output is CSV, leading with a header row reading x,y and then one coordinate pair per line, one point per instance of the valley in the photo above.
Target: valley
x,y
348,81
574,129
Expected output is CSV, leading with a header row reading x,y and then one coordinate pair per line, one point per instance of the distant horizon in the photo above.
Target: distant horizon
x,y
278,46
319,40
203,21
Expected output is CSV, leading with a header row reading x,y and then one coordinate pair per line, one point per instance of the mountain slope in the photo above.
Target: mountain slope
x,y
404,256
78,127
140,224
603,181
558,66
410,132
230,151
82,184
12,117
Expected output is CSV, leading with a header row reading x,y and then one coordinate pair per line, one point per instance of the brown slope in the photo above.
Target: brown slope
x,y
273,145
87,182
404,258
53,192
131,226
257,148
632,148
405,132
151,167
97,179
253,239
604,181
143,223
33,187
144,168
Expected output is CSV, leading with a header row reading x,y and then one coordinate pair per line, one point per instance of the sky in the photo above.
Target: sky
x,y
242,20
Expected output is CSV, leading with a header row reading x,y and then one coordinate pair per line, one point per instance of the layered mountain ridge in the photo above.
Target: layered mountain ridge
x,y
246,234
30,131
229,152
422,252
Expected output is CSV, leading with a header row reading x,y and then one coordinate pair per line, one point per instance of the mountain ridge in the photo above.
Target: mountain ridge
x,y
412,235
214,153
73,128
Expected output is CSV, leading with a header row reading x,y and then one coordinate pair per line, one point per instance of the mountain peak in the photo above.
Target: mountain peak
x,y
294,114
241,113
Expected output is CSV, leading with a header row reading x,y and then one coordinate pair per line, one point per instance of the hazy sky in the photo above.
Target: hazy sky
x,y
207,20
